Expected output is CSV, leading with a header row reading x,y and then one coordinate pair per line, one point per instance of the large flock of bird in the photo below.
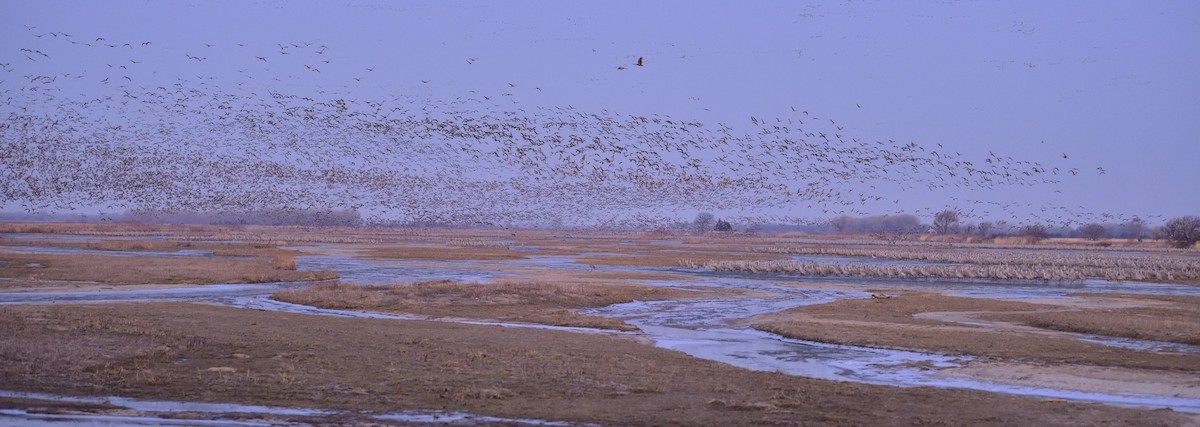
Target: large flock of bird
x,y
118,136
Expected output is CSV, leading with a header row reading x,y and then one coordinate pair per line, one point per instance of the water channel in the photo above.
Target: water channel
x,y
704,328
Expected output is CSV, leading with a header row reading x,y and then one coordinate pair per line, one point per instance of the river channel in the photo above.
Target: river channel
x,y
707,328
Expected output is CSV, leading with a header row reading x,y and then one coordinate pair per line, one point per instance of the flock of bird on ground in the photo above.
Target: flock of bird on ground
x,y
134,141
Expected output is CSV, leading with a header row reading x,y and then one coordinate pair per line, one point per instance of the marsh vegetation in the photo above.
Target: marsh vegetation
x,y
664,284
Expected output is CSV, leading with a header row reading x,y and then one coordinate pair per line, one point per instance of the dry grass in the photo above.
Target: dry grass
x,y
1186,264
1187,273
105,245
476,243
890,323
1178,322
199,352
284,261
87,228
127,270
256,249
542,303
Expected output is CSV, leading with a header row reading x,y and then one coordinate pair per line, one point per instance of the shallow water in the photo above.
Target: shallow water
x,y
1144,345
364,271
162,406
222,293
706,329
709,329
23,418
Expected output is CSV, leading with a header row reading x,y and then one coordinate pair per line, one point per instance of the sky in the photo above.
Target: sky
x,y
1109,84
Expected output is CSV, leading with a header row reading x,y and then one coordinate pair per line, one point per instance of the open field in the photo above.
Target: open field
x,y
201,352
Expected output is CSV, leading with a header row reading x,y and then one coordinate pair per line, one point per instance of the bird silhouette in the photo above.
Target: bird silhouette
x,y
465,159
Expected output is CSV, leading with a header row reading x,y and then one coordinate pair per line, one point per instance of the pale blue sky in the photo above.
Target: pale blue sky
x,y
1112,84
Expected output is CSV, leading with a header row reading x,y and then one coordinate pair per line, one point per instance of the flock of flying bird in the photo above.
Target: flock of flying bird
x,y
129,140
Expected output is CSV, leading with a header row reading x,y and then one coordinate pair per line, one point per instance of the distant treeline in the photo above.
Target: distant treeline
x,y
877,224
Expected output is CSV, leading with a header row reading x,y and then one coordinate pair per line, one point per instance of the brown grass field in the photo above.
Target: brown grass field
x,y
200,352
56,270
542,303
213,353
897,322
1167,318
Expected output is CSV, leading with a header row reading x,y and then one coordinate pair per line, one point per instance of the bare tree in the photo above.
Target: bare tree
x,y
1135,228
1092,231
984,228
1182,232
1036,231
839,224
703,222
945,222
723,225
